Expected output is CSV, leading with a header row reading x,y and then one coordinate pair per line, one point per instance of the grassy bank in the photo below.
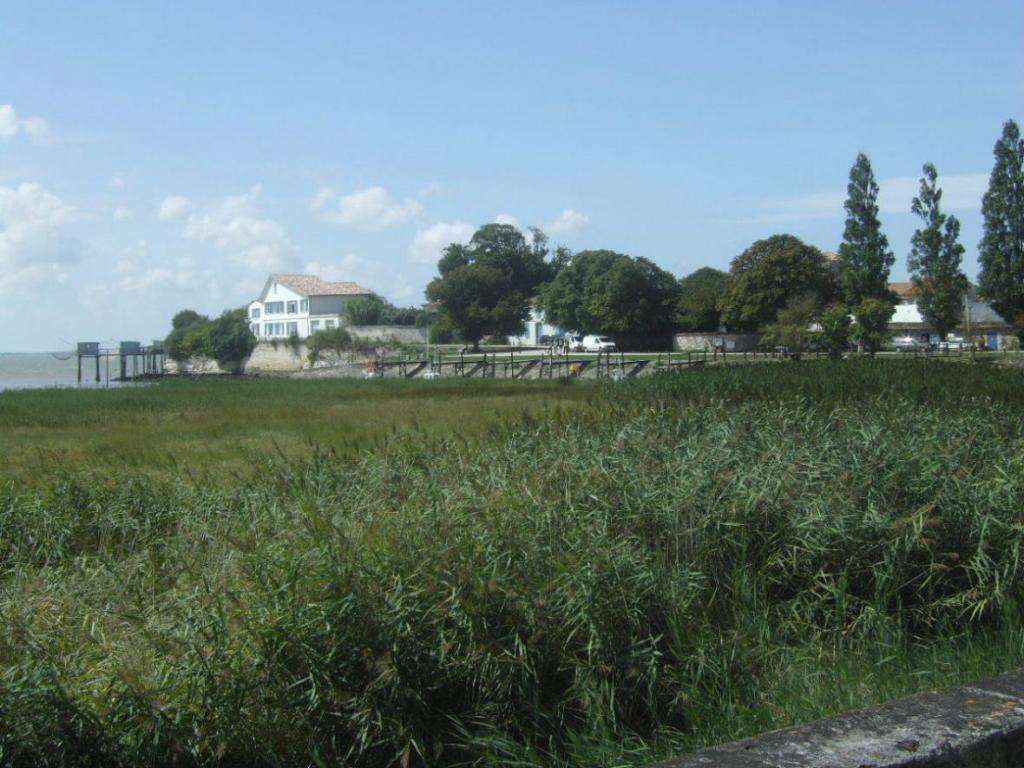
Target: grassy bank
x,y
224,427
684,560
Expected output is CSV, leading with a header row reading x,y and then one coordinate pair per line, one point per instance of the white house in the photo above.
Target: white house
x,y
534,328
986,326
300,305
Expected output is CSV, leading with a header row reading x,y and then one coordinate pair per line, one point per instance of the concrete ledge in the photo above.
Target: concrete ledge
x,y
973,726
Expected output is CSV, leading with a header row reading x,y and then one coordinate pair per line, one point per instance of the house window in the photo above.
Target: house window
x,y
293,307
314,325
274,307
328,323
255,328
255,313
304,305
293,329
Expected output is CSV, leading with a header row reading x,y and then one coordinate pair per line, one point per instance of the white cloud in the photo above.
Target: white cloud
x,y
354,268
8,121
428,244
174,207
430,190
117,181
507,218
233,225
811,207
368,209
324,197
405,293
155,279
959,193
33,248
350,268
37,129
137,276
569,221
121,214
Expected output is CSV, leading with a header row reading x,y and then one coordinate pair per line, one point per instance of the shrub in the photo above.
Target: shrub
x,y
835,329
366,311
228,339
872,323
336,340
232,339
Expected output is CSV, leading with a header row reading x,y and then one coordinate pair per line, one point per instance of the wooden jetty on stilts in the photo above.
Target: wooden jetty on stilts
x,y
145,361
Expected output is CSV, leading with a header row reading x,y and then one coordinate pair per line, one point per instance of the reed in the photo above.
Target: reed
x,y
683,561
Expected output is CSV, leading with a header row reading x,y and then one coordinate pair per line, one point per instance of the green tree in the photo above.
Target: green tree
x,y
864,255
228,339
231,339
375,310
835,329
485,287
872,323
476,301
631,299
335,340
1001,251
792,326
185,318
365,311
189,336
768,275
699,295
935,258
197,340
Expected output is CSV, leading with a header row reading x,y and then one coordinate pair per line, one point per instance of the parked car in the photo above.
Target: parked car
x,y
908,344
569,343
951,344
594,343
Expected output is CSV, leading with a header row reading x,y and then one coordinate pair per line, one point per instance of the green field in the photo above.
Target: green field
x,y
230,427
288,573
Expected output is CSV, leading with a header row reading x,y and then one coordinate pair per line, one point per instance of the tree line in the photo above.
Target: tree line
x,y
778,285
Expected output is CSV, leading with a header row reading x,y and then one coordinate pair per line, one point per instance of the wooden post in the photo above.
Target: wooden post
x,y
97,368
79,368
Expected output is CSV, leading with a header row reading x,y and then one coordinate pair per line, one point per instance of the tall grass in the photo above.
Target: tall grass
x,y
689,560
223,426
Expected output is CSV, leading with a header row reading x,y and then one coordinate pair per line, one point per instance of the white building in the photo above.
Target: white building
x,y
300,305
987,328
534,329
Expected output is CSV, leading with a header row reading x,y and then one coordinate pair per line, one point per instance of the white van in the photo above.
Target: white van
x,y
598,344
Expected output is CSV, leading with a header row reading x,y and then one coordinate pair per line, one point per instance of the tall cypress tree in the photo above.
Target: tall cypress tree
x,y
1001,251
935,258
864,255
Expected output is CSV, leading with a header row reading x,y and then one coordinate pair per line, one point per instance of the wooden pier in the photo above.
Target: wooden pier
x,y
534,364
133,359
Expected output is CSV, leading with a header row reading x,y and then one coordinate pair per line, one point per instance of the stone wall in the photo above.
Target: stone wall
x,y
402,334
195,366
976,726
733,342
280,357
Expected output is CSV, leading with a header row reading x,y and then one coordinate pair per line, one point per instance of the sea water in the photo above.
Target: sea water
x,y
58,369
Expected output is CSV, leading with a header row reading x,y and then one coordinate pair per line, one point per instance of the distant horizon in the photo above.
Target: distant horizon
x,y
154,159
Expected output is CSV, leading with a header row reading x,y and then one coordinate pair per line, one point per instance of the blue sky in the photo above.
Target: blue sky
x,y
161,156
